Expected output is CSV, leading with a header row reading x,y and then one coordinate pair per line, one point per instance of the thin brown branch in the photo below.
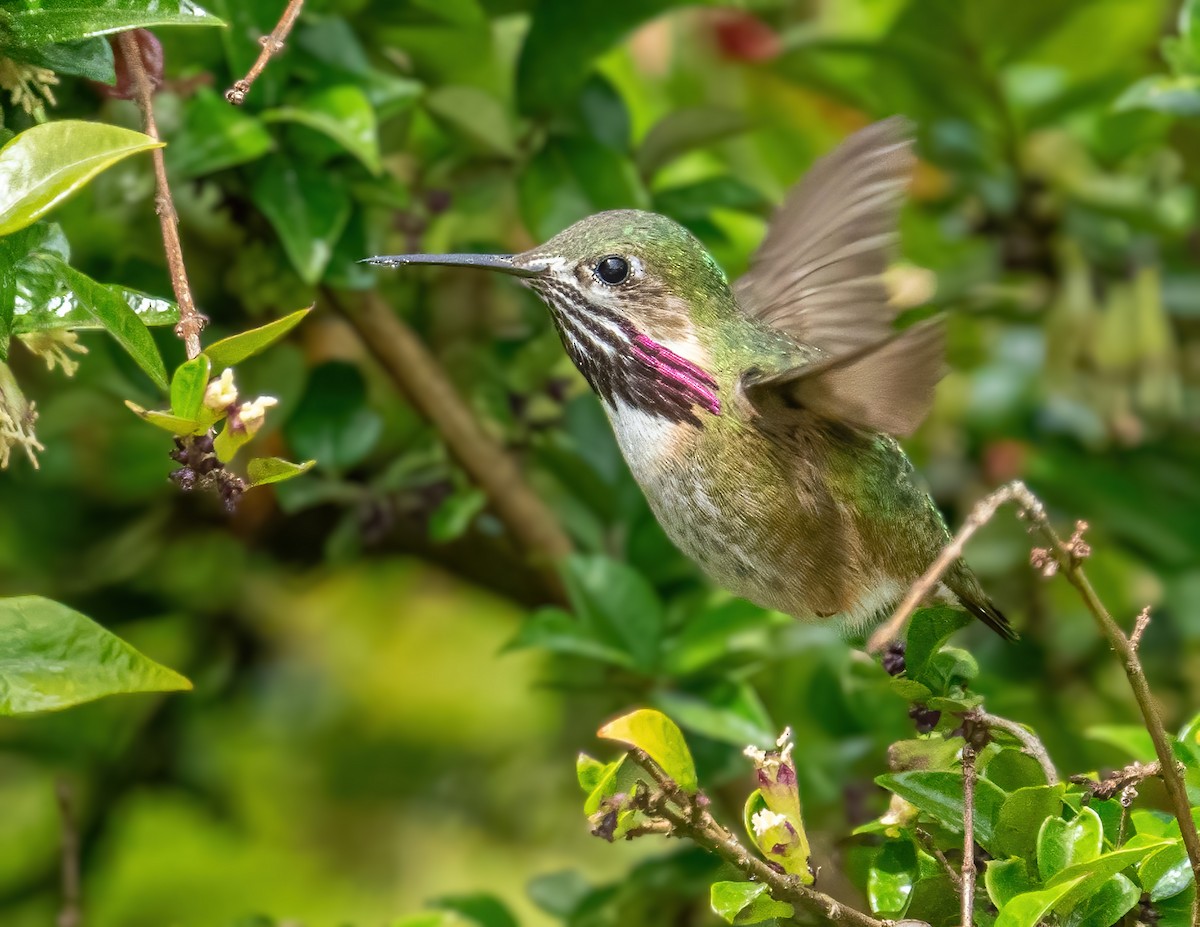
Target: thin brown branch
x,y
419,377
689,817
1131,775
271,45
1067,557
933,850
70,914
980,516
191,322
966,884
1030,744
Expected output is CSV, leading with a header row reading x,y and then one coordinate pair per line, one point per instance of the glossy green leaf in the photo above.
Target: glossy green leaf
x,y
1105,906
1021,818
88,58
168,422
42,166
477,116
929,629
1062,844
1007,878
109,309
683,130
308,207
231,351
608,782
263,471
1012,769
215,136
891,878
660,738
68,20
1028,909
52,657
344,114
188,385
939,794
1109,864
1166,873
746,903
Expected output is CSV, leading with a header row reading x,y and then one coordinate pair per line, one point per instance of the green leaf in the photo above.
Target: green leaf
x,y
1007,878
560,632
231,351
168,422
1179,96
476,115
52,657
453,517
107,306
939,794
929,630
1011,769
696,200
263,471
559,894
618,603
1027,909
344,114
482,909
589,771
683,130
558,52
891,878
332,423
1133,739
1167,873
188,386
215,136
1105,906
746,903
1021,818
657,735
1062,844
728,711
88,58
308,207
44,165
66,21
607,784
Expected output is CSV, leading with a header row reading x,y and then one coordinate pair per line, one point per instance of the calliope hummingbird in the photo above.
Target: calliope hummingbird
x,y
760,417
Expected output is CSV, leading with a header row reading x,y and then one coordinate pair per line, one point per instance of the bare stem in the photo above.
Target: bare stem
x,y
419,377
1029,741
967,882
191,322
933,850
71,912
689,817
271,45
1122,779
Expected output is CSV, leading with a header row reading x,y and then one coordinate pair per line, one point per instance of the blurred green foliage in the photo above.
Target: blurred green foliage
x,y
384,698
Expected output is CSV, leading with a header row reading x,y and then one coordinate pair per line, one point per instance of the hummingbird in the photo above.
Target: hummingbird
x,y
761,417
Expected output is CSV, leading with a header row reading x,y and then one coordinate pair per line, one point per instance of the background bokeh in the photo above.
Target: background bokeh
x,y
363,738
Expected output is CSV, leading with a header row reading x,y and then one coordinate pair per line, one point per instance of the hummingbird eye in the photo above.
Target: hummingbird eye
x,y
613,270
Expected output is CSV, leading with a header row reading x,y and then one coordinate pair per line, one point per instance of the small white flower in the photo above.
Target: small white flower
x,y
764,819
221,392
55,348
252,414
758,757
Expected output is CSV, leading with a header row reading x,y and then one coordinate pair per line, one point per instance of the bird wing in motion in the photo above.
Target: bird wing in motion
x,y
818,277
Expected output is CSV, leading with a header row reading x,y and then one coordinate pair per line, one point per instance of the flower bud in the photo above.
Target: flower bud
x,y
221,393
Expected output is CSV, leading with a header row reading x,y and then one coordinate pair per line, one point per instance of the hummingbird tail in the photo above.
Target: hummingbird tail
x,y
970,594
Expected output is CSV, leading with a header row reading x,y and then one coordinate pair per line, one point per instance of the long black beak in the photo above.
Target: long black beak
x,y
501,262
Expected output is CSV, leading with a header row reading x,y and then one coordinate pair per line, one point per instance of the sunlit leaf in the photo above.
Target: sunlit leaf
x,y
344,114
231,351
1167,873
52,657
891,878
1028,909
47,23
188,385
168,422
44,165
1021,818
939,794
1007,878
261,471
1062,844
746,903
660,738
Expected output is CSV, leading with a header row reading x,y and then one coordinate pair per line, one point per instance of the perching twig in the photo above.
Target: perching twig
x,y
935,851
1030,744
966,884
271,45
689,817
1122,779
191,322
70,914
422,380
1067,557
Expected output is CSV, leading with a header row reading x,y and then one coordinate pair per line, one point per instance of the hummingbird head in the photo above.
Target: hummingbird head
x,y
627,291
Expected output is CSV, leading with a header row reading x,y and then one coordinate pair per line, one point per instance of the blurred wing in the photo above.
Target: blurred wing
x,y
818,277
